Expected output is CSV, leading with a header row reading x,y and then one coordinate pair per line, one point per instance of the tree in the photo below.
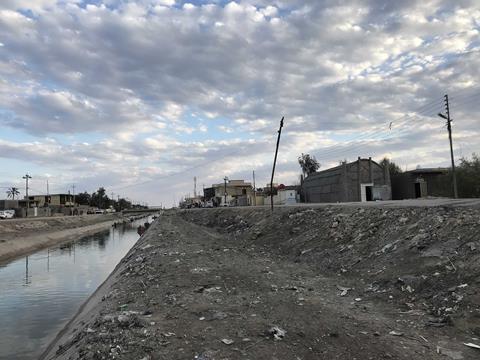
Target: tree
x,y
468,177
393,168
100,199
83,198
12,192
308,164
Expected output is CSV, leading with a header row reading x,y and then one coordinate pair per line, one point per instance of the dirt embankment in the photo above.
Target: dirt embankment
x,y
23,236
301,283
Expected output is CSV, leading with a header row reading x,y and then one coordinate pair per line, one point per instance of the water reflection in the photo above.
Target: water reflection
x,y
41,292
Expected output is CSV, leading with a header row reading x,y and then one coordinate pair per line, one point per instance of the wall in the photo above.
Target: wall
x,y
344,183
436,185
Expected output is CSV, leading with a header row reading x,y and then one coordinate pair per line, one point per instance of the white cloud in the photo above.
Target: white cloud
x,y
134,72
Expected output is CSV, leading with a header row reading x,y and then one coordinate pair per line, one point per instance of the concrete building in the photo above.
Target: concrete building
x,y
20,207
421,183
362,180
53,200
286,195
239,193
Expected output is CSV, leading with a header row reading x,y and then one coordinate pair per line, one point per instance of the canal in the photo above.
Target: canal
x,y
40,293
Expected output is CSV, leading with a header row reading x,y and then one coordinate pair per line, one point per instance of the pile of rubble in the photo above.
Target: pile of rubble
x,y
426,261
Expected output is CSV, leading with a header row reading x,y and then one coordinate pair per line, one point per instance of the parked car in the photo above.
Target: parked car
x,y
7,214
99,211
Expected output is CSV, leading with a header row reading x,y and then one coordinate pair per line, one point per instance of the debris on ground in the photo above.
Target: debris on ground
x,y
346,282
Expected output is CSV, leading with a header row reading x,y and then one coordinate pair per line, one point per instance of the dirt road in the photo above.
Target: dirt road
x,y
244,284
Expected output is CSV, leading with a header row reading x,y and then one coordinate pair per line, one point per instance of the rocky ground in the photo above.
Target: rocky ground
x,y
301,283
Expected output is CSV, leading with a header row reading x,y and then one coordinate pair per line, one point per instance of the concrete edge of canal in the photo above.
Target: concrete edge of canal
x,y
89,308
30,244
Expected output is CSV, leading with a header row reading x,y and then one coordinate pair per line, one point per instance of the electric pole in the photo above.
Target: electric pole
x,y
449,128
194,186
48,195
275,161
225,179
73,188
26,177
254,191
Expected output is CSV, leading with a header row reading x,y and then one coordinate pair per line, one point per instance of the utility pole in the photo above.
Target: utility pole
x,y
225,179
26,177
449,128
254,190
48,195
194,186
73,188
275,161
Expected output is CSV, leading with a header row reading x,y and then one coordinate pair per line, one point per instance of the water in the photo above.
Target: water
x,y
40,293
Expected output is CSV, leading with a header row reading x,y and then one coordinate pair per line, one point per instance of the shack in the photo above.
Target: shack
x,y
420,183
361,180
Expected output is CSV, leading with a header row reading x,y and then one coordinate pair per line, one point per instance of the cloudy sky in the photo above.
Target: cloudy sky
x,y
141,96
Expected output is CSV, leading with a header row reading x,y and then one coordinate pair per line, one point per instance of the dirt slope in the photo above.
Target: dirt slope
x,y
326,283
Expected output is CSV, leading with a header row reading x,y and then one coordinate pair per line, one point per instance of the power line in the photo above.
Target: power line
x,y
176,173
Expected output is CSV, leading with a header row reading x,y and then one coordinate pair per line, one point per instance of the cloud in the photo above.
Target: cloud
x,y
169,84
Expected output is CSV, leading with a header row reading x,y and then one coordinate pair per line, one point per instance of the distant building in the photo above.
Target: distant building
x,y
420,183
66,200
191,202
16,204
362,180
238,193
286,195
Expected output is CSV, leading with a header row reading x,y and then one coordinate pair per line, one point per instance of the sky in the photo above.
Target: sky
x,y
142,96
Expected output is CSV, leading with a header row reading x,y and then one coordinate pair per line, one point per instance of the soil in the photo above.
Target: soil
x,y
23,236
301,283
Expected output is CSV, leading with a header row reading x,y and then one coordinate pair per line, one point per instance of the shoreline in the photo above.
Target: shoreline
x,y
29,244
21,237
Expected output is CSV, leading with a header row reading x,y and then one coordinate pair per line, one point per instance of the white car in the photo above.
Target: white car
x,y
7,214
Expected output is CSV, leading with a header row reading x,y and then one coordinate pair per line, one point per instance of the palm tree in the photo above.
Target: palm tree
x,y
11,192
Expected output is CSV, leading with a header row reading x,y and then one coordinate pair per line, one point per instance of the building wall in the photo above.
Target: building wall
x,y
344,183
432,184
285,197
9,204
239,193
55,199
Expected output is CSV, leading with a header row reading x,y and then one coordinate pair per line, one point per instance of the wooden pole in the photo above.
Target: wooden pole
x,y
275,161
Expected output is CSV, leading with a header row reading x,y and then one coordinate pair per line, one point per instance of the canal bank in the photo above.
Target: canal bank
x,y
20,237
42,291
309,283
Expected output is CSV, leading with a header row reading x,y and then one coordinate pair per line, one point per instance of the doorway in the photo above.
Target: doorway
x,y
366,192
418,190
369,193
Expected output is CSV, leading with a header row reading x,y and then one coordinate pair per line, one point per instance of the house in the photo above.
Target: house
x,y
421,183
21,206
361,180
63,200
236,193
